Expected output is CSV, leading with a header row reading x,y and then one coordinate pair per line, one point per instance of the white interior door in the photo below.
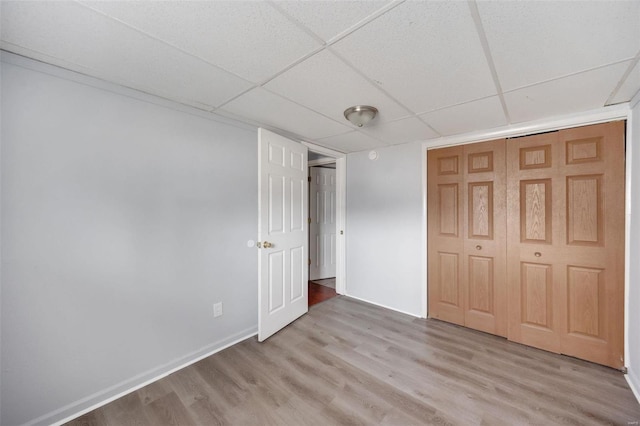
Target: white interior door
x,y
322,229
282,229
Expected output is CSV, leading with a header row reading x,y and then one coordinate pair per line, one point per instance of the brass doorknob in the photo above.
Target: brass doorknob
x,y
478,247
267,244
537,254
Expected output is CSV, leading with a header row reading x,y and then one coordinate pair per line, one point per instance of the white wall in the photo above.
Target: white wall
x,y
384,227
633,331
123,221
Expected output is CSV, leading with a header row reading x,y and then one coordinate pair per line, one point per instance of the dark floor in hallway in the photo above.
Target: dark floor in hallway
x,y
321,290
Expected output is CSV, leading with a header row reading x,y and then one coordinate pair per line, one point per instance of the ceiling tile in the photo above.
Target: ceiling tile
x,y
629,88
248,38
426,54
401,131
533,41
84,39
353,141
265,107
476,115
326,84
580,92
327,19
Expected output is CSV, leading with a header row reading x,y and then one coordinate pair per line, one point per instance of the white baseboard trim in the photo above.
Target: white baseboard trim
x,y
634,383
382,306
98,399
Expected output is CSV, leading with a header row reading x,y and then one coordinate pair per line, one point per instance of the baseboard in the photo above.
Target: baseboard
x,y
382,306
634,383
98,399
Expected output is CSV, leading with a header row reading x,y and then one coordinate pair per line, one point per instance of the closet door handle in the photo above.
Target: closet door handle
x,y
537,254
478,247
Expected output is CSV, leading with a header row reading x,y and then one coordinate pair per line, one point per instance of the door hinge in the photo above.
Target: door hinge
x,y
308,178
309,262
309,220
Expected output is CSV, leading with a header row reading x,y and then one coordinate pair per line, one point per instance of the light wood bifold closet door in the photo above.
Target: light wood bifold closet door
x,y
467,232
526,239
566,242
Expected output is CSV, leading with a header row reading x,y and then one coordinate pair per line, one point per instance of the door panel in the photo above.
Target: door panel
x,y
445,245
466,239
586,298
298,281
448,209
537,295
481,284
480,210
276,278
566,242
484,236
322,230
594,269
449,279
535,204
584,210
282,231
536,218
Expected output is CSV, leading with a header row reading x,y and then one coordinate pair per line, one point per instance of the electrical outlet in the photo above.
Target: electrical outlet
x,y
217,309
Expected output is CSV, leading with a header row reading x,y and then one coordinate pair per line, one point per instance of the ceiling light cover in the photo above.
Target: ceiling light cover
x,y
360,114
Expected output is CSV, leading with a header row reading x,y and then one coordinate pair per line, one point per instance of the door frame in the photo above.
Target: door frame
x,y
341,209
596,116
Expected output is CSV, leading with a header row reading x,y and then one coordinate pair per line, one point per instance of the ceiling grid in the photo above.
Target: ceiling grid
x,y
432,68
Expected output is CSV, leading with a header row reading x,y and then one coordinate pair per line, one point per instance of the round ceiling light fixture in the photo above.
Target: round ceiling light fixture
x,y
360,114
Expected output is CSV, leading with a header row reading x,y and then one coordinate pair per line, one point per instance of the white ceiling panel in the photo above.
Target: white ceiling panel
x,y
248,38
326,84
401,131
535,41
472,116
580,92
82,37
327,19
418,62
350,142
265,107
629,87
426,54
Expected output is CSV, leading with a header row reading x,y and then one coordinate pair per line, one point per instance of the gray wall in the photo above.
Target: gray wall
x,y
123,221
384,227
634,254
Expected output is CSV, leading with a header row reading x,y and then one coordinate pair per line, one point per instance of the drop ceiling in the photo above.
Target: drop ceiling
x,y
432,68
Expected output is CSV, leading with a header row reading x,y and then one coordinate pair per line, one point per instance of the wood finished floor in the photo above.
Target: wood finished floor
x,y
319,291
348,362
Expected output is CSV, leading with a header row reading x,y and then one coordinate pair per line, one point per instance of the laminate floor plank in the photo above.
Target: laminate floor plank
x,y
196,394
154,391
168,410
125,411
349,362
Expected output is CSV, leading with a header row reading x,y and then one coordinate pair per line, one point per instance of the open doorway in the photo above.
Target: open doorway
x,y
322,228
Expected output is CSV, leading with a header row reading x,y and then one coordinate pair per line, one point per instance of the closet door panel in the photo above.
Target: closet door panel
x,y
534,229
446,291
566,242
594,166
485,303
